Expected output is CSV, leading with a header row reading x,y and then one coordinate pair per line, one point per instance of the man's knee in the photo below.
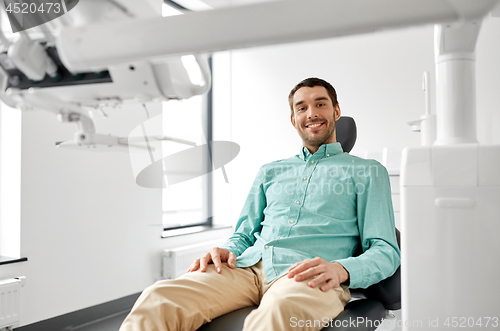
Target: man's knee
x,y
160,292
153,289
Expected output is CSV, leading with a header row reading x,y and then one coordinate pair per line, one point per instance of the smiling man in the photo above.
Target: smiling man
x,y
292,253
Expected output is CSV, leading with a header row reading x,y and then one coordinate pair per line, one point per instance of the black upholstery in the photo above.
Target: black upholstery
x,y
370,303
345,128
232,321
371,310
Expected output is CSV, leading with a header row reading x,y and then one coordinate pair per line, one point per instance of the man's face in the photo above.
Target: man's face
x,y
314,116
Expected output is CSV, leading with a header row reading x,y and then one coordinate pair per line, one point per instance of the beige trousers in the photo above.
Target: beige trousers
x,y
196,298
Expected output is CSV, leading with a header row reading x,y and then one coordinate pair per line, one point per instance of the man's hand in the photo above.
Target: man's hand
x,y
320,272
216,256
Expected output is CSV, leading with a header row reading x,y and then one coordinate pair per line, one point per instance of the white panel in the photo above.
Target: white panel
x,y
454,165
176,261
396,202
9,302
416,167
397,220
394,180
447,251
488,163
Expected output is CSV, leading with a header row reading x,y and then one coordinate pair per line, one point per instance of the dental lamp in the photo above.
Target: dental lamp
x,y
32,76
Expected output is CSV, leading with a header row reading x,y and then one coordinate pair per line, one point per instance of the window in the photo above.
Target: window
x,y
10,182
187,202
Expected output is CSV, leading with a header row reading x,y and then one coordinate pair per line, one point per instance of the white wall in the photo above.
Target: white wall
x,y
378,78
90,234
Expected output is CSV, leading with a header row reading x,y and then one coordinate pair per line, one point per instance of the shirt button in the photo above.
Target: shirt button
x,y
266,247
291,221
297,202
304,178
327,154
281,237
312,161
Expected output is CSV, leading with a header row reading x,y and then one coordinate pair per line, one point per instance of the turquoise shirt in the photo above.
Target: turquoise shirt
x,y
324,204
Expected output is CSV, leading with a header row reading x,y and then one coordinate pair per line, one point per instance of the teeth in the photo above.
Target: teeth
x,y
315,125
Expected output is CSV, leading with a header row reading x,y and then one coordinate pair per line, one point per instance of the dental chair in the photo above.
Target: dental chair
x,y
368,305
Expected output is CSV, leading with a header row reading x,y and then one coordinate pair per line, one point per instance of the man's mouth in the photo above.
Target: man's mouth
x,y
315,126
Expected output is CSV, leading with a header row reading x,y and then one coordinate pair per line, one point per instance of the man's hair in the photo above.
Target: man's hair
x,y
312,82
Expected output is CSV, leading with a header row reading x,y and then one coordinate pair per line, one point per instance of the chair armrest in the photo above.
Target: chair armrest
x,y
387,291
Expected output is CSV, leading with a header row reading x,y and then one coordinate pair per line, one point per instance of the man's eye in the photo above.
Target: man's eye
x,y
301,108
321,105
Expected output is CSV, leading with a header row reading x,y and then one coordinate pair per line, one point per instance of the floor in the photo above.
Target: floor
x,y
110,323
392,322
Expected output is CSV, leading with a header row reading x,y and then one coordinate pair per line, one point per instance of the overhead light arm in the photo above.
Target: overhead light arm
x,y
98,46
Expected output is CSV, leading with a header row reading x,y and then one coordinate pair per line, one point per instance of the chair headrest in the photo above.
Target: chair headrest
x,y
346,131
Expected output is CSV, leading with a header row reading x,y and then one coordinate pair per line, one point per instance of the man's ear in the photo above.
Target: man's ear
x,y
337,112
292,119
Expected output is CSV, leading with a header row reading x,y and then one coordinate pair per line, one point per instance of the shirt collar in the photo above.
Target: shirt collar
x,y
323,151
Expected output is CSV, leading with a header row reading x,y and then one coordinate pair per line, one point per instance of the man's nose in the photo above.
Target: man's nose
x,y
311,112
